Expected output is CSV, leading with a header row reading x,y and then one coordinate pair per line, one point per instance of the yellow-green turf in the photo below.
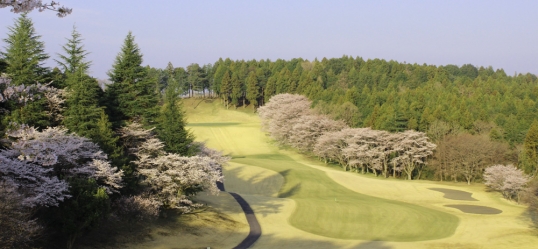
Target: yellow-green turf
x,y
323,206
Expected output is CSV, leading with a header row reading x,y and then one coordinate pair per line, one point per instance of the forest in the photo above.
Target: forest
x,y
76,155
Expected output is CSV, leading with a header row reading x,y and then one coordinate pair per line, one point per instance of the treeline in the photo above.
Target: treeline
x,y
385,95
442,101
76,158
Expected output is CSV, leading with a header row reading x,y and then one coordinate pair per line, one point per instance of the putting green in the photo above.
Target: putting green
x,y
323,206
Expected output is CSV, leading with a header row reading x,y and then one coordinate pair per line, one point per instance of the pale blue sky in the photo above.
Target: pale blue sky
x,y
502,34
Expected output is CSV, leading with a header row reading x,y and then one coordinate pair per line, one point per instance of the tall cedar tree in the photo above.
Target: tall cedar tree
x,y
25,53
171,125
237,90
75,54
226,88
253,91
83,113
131,96
529,159
24,57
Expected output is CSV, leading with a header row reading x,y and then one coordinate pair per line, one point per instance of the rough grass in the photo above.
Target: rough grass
x,y
276,184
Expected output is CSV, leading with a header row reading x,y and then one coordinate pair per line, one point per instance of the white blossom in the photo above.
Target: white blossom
x,y
20,6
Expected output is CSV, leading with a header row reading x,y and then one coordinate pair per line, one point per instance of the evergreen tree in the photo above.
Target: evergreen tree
x,y
237,89
75,54
226,88
25,53
131,96
253,91
82,104
529,159
171,126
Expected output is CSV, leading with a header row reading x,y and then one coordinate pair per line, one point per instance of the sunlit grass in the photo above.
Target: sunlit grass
x,y
324,207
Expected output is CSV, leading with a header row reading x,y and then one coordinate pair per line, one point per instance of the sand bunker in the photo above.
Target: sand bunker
x,y
475,209
455,194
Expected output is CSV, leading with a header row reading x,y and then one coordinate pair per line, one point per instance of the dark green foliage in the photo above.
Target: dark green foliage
x,y
74,58
25,53
226,88
237,89
253,91
529,158
82,105
88,206
131,96
171,126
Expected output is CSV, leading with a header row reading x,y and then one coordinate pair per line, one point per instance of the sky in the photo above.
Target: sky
x,y
501,34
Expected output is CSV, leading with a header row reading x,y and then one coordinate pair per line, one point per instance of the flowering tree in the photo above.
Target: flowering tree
x,y
170,178
21,6
509,180
412,149
281,113
308,128
40,163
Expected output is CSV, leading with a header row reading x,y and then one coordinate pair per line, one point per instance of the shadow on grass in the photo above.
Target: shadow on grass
x,y
255,182
270,241
211,124
290,192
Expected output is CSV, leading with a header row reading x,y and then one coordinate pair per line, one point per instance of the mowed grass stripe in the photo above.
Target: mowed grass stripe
x,y
329,209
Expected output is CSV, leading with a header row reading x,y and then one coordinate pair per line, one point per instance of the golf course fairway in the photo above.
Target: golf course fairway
x,y
300,203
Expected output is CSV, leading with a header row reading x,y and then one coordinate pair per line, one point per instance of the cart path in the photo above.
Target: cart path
x,y
255,228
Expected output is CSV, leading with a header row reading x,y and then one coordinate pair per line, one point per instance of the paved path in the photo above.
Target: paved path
x,y
255,229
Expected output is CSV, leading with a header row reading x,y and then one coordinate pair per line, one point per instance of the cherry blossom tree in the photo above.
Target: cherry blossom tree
x,y
281,113
509,180
40,163
413,149
308,128
170,178
21,6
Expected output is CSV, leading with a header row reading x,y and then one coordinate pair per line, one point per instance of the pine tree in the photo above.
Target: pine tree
x,y
529,159
25,53
226,88
82,105
131,96
171,126
75,54
237,89
253,91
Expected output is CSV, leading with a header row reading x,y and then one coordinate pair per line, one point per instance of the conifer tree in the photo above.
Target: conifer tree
x,y
171,125
131,96
25,53
529,158
237,89
83,113
75,54
226,88
253,92
82,105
